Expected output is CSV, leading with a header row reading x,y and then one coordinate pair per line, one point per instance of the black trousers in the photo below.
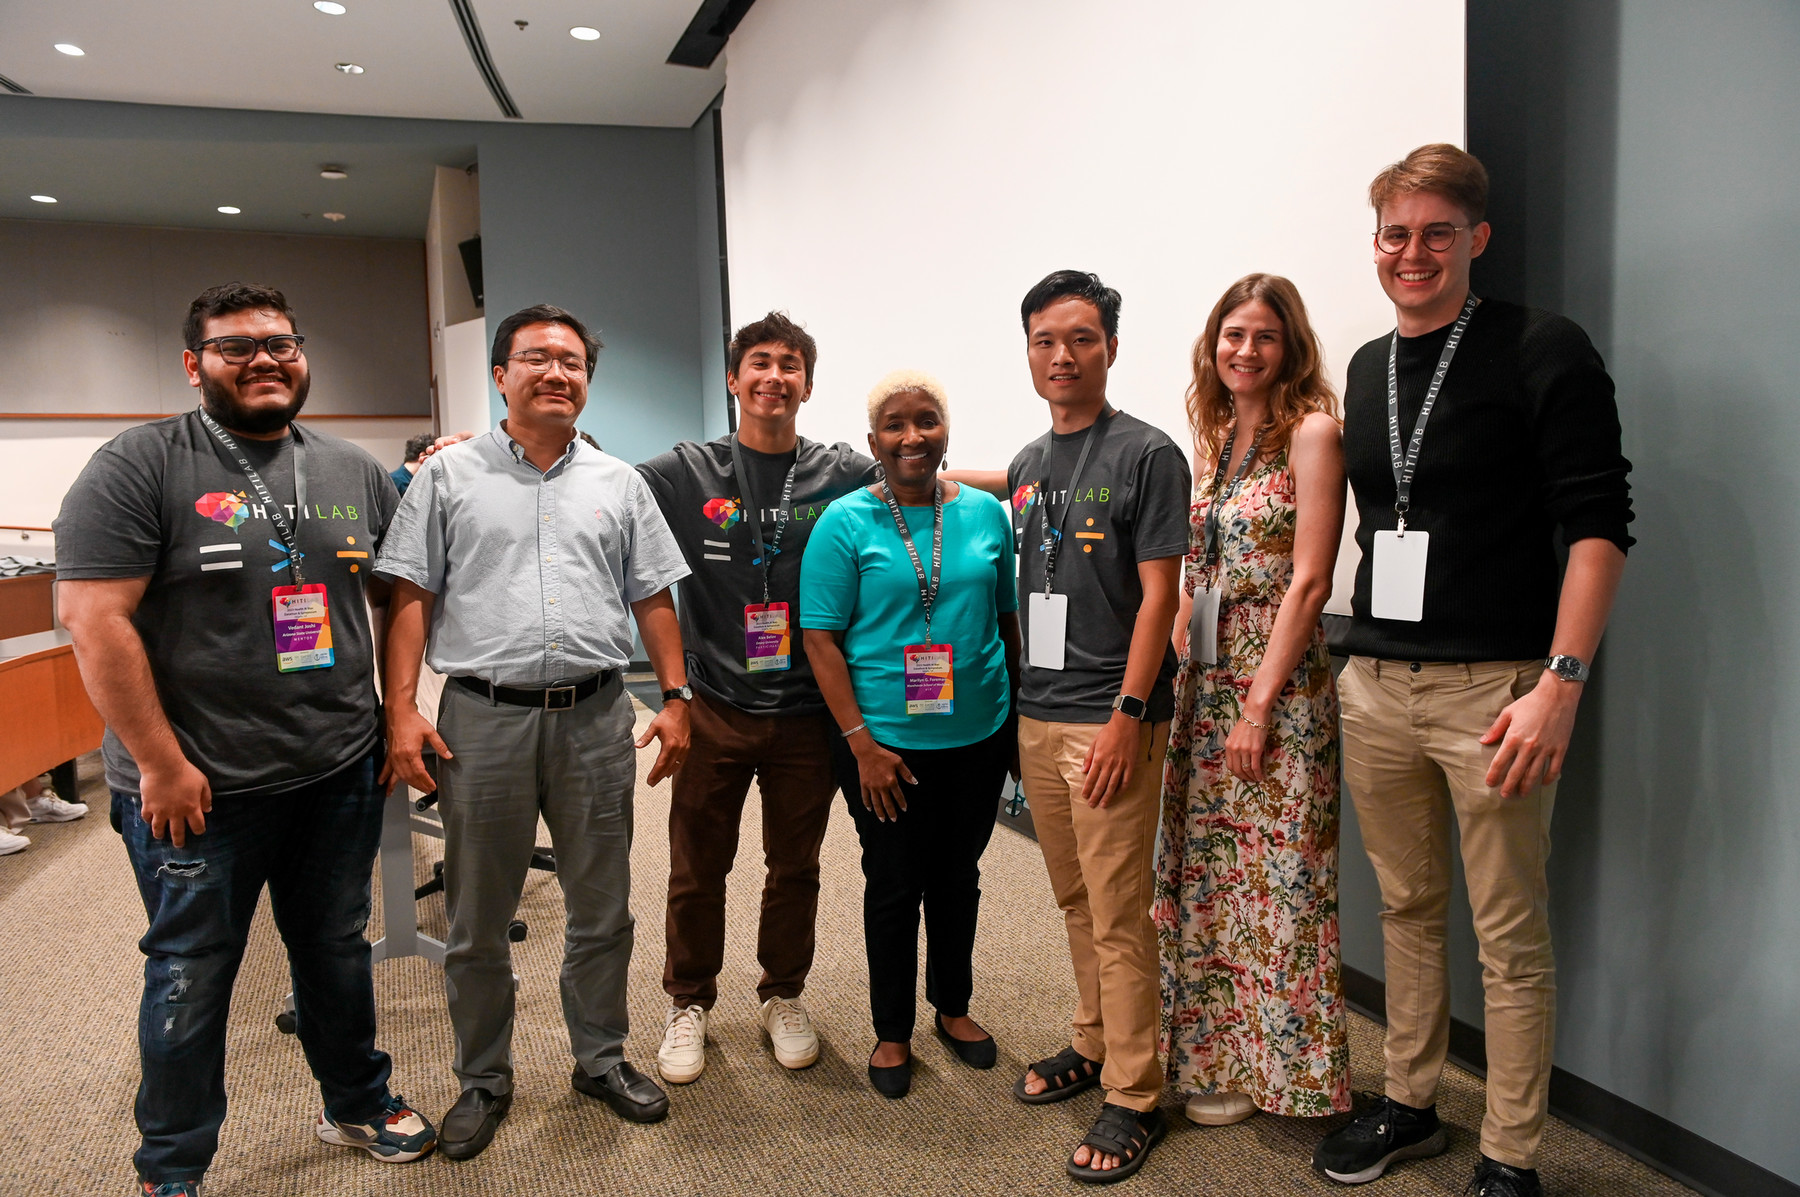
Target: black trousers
x,y
929,857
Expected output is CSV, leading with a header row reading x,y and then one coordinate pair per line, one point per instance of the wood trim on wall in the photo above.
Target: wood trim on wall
x,y
163,415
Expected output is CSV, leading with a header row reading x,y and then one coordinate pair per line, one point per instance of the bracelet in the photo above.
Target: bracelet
x,y
1253,723
853,730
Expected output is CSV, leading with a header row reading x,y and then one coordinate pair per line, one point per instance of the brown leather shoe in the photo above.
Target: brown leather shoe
x,y
469,1127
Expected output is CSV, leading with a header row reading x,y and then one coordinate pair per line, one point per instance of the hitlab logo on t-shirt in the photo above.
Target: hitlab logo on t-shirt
x,y
726,513
232,509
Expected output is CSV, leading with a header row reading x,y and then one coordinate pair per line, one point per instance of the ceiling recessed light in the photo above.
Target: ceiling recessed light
x,y
72,51
333,172
229,210
585,33
349,68
329,7
333,217
44,199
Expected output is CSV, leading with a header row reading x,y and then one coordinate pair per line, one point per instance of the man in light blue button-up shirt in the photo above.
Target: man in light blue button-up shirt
x,y
521,552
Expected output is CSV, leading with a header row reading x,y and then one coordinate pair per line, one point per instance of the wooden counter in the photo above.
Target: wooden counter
x,y
25,605
46,719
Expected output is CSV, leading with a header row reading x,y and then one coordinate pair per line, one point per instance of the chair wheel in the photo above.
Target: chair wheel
x,y
285,1023
516,931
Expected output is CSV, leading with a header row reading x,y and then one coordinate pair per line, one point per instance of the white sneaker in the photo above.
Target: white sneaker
x,y
791,1032
11,842
682,1056
48,808
1219,1109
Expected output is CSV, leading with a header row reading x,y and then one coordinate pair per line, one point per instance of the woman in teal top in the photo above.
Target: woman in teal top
x,y
914,640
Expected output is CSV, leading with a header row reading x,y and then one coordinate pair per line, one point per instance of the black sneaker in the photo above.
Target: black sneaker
x,y
1494,1179
1386,1132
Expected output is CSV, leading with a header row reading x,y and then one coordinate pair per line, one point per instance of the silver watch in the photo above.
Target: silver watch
x,y
1569,669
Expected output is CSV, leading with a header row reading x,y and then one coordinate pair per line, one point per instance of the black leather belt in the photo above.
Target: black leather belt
x,y
550,698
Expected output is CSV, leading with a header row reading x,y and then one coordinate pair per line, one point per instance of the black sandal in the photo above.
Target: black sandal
x,y
1123,1132
1065,1074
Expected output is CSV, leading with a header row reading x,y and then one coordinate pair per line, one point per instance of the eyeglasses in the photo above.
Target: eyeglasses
x,y
538,362
283,347
1394,238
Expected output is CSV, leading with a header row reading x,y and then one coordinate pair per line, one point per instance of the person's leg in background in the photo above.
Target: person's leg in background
x,y
200,899
14,814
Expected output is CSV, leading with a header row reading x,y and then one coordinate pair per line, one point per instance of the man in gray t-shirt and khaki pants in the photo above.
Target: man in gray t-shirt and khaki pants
x,y
522,552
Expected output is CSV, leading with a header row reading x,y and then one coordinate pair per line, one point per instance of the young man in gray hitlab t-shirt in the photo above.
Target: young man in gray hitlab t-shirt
x,y
212,570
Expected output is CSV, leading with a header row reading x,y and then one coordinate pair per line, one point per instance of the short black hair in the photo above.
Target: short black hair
x,y
543,313
775,328
416,445
225,299
1073,284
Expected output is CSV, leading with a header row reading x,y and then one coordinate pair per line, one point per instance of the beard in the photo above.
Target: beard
x,y
224,406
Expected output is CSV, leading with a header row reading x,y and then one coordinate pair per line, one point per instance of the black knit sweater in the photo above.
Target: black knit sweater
x,y
1523,441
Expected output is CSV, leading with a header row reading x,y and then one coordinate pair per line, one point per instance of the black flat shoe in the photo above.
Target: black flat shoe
x,y
893,1082
632,1095
469,1127
976,1053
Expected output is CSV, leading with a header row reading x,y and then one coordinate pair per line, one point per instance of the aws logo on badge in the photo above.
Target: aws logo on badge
x,y
723,512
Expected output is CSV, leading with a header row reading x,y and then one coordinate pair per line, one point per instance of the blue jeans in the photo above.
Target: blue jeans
x,y
315,849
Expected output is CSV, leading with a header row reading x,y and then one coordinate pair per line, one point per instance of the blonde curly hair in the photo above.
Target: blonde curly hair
x,y
896,381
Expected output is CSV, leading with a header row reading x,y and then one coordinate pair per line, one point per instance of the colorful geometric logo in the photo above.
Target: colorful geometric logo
x,y
223,507
1024,497
723,512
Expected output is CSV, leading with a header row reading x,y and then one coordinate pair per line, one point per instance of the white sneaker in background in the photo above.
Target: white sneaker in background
x,y
11,842
682,1056
1219,1109
791,1032
48,808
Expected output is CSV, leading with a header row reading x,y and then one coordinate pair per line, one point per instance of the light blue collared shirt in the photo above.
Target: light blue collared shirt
x,y
534,572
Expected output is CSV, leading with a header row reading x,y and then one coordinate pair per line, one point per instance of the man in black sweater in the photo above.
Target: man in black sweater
x,y
1474,434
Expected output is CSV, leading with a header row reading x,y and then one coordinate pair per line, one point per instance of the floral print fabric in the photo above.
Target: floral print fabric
x,y
1246,889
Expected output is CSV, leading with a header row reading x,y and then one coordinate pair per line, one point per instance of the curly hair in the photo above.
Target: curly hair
x,y
897,381
1300,388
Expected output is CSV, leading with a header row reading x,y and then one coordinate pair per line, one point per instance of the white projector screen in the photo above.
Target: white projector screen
x,y
897,175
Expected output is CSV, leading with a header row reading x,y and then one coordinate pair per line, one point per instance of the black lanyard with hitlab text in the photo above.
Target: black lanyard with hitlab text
x,y
262,490
928,588
1053,535
1218,498
1406,463
765,555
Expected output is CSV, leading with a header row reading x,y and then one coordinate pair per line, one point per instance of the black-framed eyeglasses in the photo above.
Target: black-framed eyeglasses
x,y
538,362
283,347
1394,238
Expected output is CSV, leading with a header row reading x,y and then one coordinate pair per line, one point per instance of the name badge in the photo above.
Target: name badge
x,y
302,628
767,640
929,679
1397,582
1203,627
1048,618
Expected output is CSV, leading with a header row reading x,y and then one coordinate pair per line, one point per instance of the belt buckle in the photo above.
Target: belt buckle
x,y
559,698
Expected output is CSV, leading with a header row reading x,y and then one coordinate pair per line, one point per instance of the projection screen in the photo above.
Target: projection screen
x,y
898,174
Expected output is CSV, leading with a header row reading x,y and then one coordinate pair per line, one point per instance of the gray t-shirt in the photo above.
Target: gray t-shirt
x,y
694,485
164,500
1131,505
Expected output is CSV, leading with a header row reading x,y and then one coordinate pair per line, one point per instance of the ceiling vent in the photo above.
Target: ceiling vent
x,y
470,25
14,88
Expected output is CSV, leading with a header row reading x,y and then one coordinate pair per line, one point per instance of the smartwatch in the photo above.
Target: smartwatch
x,y
1131,708
684,693
1569,669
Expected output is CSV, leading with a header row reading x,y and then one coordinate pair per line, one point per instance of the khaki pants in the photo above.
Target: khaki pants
x,y
1412,758
1100,863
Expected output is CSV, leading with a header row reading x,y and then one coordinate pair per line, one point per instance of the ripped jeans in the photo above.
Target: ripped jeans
x,y
315,849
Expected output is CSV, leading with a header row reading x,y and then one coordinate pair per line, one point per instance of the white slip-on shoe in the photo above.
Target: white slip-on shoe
x,y
1218,1109
682,1056
791,1032
11,842
48,808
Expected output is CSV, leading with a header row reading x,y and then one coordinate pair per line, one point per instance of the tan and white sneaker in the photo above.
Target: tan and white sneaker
x,y
791,1032
682,1056
11,841
1218,1109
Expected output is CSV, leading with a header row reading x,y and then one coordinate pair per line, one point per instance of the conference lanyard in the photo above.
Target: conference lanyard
x,y
1053,536
765,556
262,491
1405,465
927,590
1218,499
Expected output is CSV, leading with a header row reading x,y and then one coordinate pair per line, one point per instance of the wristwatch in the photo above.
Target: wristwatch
x,y
1131,708
1569,669
684,693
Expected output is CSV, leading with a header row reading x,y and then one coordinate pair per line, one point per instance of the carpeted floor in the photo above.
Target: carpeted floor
x,y
70,917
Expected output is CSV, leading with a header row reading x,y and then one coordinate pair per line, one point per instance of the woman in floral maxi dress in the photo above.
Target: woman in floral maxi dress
x,y
1246,890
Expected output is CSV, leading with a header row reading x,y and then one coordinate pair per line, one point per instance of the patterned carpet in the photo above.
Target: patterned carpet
x,y
70,916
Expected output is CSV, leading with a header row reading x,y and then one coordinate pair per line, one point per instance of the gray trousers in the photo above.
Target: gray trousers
x,y
577,768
